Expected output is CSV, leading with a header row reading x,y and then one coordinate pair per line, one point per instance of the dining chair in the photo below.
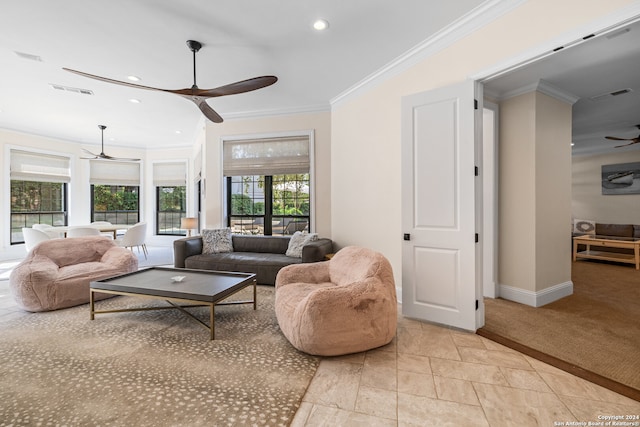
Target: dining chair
x,y
135,236
33,236
110,234
49,229
82,231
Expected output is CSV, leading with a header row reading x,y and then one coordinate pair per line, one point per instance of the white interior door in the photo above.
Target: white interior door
x,y
441,261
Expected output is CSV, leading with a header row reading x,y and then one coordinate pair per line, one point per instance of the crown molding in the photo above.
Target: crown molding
x,y
467,24
603,25
541,86
319,108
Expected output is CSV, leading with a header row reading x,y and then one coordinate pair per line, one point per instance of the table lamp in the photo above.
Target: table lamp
x,y
189,224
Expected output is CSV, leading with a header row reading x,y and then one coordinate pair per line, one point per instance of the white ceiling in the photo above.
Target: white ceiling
x,y
147,38
249,38
600,65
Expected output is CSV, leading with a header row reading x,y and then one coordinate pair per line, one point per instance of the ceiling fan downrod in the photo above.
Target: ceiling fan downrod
x,y
194,46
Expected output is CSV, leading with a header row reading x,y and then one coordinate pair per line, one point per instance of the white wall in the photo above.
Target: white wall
x,y
589,203
79,189
365,138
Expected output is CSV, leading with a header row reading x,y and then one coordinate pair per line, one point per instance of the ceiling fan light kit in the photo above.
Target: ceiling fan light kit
x,y
194,93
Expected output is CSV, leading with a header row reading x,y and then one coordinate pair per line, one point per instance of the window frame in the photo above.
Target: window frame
x,y
64,212
182,212
226,199
93,211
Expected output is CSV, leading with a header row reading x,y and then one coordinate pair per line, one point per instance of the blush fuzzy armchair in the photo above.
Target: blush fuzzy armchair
x,y
56,273
345,305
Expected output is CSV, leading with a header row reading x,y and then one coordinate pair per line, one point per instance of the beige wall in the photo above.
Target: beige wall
x,y
516,188
588,201
365,138
320,123
553,192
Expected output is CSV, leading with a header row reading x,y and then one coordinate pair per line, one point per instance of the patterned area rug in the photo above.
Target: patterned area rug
x,y
151,368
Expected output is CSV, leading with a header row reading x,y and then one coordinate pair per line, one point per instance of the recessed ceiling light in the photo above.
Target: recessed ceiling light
x,y
134,78
178,132
135,101
321,24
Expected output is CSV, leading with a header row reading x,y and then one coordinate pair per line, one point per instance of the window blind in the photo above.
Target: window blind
x,y
172,174
267,156
114,173
30,166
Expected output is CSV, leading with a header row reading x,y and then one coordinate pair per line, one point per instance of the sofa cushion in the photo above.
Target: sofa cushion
x,y
618,230
297,242
217,241
264,265
261,244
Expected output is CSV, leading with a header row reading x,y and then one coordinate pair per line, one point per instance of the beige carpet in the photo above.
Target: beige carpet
x,y
595,332
153,368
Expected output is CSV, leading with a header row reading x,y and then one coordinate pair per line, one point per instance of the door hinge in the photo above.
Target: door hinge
x,y
475,104
477,304
407,236
476,171
477,237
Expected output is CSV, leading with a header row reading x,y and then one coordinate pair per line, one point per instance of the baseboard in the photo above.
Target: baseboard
x,y
539,298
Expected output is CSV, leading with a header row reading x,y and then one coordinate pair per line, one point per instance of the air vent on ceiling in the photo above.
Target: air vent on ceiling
x,y
610,94
28,56
71,89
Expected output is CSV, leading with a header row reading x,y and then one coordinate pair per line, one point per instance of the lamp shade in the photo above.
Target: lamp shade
x,y
188,223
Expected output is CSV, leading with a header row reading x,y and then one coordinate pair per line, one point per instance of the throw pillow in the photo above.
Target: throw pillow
x,y
297,242
584,226
216,241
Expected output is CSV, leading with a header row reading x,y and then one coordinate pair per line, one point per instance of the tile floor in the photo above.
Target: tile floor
x,y
434,376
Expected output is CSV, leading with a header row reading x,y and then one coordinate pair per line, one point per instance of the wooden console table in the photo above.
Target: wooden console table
x,y
611,242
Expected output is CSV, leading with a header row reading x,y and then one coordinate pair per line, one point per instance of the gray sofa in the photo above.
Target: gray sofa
x,y
262,255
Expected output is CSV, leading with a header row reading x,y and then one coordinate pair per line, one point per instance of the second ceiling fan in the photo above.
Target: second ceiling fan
x,y
635,140
194,93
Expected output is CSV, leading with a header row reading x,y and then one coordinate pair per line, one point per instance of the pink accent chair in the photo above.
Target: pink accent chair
x,y
57,272
345,305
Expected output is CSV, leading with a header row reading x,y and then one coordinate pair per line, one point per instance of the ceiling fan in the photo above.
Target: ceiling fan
x,y
635,140
104,156
194,93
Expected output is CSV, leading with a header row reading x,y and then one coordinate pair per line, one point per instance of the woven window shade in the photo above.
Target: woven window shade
x,y
170,174
268,156
29,166
105,172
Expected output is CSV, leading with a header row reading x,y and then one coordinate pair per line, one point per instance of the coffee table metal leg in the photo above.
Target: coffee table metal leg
x,y
255,300
211,321
91,304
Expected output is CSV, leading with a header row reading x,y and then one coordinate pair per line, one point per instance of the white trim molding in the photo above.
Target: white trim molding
x,y
539,298
465,25
541,86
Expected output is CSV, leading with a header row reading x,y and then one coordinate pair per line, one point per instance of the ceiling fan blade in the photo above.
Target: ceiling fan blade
x,y
238,87
118,82
89,152
615,138
207,110
634,141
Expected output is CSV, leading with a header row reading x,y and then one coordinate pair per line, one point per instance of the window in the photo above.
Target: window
x,y
115,191
117,204
171,203
268,185
278,204
38,191
170,182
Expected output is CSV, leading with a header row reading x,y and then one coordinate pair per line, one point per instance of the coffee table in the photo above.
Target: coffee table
x,y
199,288
590,241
